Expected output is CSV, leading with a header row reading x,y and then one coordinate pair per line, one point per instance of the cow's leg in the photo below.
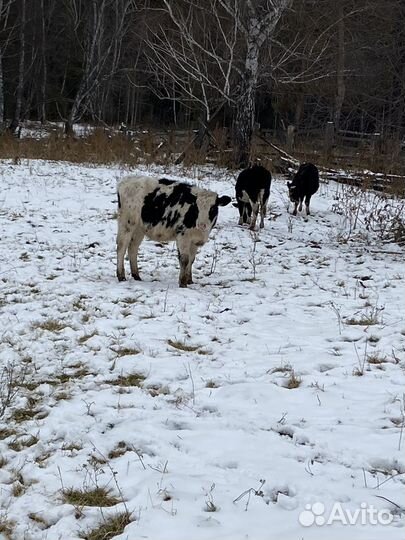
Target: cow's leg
x,y
248,213
123,240
184,261
134,244
192,254
307,201
186,252
295,208
263,211
300,206
255,211
241,208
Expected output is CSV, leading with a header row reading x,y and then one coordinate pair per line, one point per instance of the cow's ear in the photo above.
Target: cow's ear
x,y
224,200
235,204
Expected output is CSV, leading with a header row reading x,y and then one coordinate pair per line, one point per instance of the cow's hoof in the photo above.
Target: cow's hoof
x,y
121,278
136,277
183,285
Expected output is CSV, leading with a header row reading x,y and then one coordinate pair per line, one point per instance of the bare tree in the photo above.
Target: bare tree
x,y
44,66
212,55
97,45
192,56
257,21
15,122
4,10
232,62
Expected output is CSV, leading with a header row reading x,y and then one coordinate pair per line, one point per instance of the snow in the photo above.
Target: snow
x,y
215,427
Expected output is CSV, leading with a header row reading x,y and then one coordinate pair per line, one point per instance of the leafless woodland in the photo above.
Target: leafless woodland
x,y
288,66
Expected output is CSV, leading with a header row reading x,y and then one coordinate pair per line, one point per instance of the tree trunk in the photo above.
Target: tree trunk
x,y
20,85
340,77
44,75
246,106
1,94
2,119
260,25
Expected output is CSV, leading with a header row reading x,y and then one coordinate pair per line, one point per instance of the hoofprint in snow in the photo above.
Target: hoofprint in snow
x,y
273,383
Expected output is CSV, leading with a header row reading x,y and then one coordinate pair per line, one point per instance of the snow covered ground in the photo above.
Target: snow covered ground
x,y
221,411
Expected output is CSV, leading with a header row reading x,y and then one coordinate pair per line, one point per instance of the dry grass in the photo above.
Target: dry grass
x,y
77,374
25,442
283,368
30,386
98,496
293,381
6,432
51,325
39,520
6,528
133,379
18,489
376,359
99,147
71,447
130,300
22,415
126,351
85,337
43,458
121,449
182,346
110,527
106,146
364,320
62,396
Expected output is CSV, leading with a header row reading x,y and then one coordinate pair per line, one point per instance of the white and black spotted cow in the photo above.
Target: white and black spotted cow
x,y
305,183
252,192
164,210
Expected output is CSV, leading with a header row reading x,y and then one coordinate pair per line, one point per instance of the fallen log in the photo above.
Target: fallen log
x,y
369,179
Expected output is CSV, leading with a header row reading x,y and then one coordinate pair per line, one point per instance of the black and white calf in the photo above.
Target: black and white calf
x,y
164,210
305,183
252,192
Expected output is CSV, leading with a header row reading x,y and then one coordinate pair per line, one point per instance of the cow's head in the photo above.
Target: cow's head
x,y
224,200
213,212
292,192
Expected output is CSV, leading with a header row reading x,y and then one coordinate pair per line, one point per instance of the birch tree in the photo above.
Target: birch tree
x,y
257,21
212,54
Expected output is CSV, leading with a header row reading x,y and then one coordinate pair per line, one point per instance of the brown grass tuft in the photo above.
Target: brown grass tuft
x,y
98,496
182,346
110,527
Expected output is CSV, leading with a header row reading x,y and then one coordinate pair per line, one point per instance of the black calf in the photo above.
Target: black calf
x,y
305,183
252,191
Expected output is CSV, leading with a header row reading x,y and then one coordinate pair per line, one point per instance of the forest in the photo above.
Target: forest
x,y
200,64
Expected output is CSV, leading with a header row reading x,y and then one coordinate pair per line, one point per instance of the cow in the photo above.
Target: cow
x,y
164,210
305,183
252,192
